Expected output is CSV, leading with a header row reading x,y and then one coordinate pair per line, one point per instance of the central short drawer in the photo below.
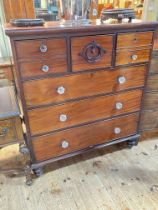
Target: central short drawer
x,y
43,120
90,52
60,143
59,89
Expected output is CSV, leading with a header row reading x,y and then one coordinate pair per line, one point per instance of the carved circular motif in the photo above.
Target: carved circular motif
x,y
92,52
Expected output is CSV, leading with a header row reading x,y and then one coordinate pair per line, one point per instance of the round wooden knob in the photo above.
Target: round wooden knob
x,y
117,130
64,144
45,68
119,105
63,117
43,48
121,80
61,90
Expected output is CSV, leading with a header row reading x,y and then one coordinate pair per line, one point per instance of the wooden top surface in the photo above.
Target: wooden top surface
x,y
54,27
8,103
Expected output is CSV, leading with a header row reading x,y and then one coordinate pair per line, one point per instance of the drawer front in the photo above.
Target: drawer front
x,y
6,73
46,147
43,120
7,133
43,67
134,39
10,131
42,49
53,90
91,52
133,56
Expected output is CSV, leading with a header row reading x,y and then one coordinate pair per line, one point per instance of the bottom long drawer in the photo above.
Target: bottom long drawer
x,y
59,143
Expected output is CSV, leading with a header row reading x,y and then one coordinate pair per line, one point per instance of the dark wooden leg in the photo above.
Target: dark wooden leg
x,y
25,151
132,143
38,172
28,175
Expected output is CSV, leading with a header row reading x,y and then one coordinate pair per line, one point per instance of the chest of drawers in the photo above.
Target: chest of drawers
x,y
81,87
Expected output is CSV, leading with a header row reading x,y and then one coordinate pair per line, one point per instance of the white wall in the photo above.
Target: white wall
x,y
5,49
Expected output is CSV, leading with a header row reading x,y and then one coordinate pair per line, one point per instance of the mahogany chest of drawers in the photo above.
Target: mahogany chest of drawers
x,y
81,87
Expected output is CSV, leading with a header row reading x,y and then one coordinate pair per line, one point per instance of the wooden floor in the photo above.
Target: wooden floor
x,y
115,178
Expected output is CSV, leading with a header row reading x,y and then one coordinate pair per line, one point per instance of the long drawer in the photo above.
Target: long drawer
x,y
43,120
59,89
59,143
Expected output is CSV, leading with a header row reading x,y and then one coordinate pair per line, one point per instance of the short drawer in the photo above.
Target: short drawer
x,y
43,67
54,90
10,131
60,143
137,39
43,120
54,48
91,52
132,56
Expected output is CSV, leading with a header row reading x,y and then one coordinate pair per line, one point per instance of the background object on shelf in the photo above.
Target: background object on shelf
x,y
76,11
118,14
27,22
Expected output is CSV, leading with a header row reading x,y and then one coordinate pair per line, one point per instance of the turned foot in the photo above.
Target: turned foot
x,y
23,149
38,172
132,143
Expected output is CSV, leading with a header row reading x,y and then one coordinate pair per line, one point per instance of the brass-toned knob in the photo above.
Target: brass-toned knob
x,y
43,48
117,130
64,144
134,57
61,90
45,68
119,105
121,80
63,118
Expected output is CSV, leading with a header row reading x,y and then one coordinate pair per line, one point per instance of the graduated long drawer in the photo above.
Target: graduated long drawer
x,y
54,90
43,120
59,143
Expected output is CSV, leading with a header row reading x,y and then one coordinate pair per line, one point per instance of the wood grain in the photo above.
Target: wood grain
x,y
149,120
125,56
151,101
49,146
30,50
154,64
44,120
152,83
78,43
129,40
18,9
44,91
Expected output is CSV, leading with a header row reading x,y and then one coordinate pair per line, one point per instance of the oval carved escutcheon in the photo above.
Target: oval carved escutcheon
x,y
92,52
